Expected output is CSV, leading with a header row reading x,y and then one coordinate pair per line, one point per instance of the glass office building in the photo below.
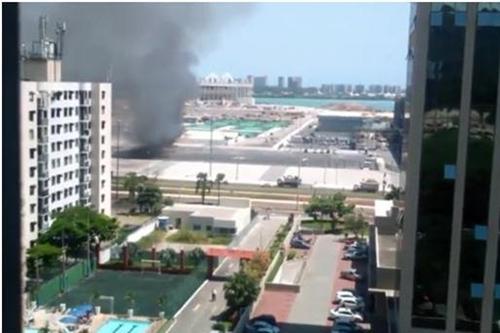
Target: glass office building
x,y
450,267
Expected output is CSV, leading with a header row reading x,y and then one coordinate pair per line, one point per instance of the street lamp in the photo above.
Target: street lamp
x,y
238,159
302,160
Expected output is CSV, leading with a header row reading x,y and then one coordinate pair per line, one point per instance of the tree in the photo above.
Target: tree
x,y
72,227
256,267
149,199
394,193
132,182
240,291
48,253
203,185
355,224
333,206
219,179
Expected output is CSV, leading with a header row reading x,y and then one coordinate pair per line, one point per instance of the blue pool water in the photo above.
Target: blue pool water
x,y
124,326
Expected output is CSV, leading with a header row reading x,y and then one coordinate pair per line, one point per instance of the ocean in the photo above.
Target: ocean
x,y
381,105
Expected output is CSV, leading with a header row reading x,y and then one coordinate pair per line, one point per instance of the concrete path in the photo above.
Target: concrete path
x,y
312,304
199,313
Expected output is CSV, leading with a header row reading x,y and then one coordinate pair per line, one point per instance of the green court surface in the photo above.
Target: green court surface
x,y
248,128
147,287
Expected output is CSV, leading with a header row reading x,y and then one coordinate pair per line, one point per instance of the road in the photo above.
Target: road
x,y
251,156
200,313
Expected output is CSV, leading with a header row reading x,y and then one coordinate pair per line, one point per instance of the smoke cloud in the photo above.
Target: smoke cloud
x,y
149,50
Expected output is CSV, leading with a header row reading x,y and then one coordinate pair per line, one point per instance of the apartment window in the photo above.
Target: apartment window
x,y
32,115
32,134
52,129
32,189
196,227
77,94
65,95
103,154
102,197
33,226
103,109
102,139
32,172
53,180
65,112
53,197
90,94
103,168
32,153
32,208
53,163
102,211
103,183
103,124
65,193
103,94
32,96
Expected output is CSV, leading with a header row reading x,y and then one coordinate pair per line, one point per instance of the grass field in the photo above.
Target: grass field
x,y
147,287
194,237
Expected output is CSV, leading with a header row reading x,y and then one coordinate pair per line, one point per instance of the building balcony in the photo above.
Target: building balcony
x,y
43,174
43,193
85,133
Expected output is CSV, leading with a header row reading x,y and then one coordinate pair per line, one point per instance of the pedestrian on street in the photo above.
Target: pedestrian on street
x,y
214,295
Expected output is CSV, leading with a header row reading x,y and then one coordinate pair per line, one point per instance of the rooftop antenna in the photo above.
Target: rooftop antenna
x,y
42,27
60,31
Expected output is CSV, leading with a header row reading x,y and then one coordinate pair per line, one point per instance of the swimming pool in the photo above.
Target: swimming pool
x,y
245,127
124,326
30,330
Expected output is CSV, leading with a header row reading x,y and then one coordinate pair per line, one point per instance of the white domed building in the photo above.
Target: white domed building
x,y
226,89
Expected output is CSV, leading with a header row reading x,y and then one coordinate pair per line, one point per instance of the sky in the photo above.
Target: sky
x,y
322,42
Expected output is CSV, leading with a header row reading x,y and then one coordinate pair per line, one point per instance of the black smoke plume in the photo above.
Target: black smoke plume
x,y
148,49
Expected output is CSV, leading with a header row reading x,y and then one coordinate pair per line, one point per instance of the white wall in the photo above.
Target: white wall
x,y
145,230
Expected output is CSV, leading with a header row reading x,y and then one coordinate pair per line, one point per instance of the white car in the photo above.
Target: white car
x,y
345,293
354,303
347,313
342,297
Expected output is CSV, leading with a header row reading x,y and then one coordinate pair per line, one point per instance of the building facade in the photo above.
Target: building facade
x,y
65,141
450,269
281,82
223,89
294,83
259,82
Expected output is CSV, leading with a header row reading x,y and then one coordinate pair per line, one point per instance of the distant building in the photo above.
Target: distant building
x,y
294,83
375,89
281,82
222,89
359,89
348,88
259,82
65,137
339,89
327,89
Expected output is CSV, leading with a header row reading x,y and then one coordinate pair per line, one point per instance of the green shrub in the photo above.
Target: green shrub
x,y
291,255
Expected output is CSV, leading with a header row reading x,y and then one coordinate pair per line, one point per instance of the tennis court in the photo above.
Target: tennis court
x,y
146,287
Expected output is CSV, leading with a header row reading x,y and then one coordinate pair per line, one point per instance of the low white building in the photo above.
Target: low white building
x,y
224,89
227,219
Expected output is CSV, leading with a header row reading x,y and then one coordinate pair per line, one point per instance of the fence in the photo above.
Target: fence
x,y
60,283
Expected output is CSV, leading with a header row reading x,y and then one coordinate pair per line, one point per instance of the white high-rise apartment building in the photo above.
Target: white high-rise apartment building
x,y
65,139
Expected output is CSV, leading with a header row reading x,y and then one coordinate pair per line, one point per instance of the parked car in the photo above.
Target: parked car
x,y
262,324
346,293
352,303
343,312
343,325
343,297
355,255
350,275
299,236
356,247
298,244
289,181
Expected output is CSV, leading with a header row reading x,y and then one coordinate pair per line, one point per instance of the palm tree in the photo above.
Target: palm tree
x,y
132,183
219,179
203,185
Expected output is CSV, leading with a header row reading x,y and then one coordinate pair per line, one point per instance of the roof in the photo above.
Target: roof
x,y
355,114
229,252
387,246
383,208
216,212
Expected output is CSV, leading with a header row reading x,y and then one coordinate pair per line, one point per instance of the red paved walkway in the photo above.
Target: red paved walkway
x,y
277,303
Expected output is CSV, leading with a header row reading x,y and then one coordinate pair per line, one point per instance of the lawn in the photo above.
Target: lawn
x,y
147,287
193,237
146,242
322,225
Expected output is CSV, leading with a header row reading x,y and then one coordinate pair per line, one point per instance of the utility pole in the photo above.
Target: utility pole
x,y
211,147
117,179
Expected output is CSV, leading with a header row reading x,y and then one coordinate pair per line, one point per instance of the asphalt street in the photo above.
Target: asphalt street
x,y
201,313
249,156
